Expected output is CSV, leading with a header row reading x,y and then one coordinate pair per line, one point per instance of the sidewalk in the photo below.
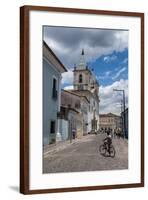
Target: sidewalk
x,y
58,146
53,148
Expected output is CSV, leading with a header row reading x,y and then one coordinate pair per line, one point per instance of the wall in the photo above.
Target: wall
x,y
50,105
70,99
9,101
85,79
63,129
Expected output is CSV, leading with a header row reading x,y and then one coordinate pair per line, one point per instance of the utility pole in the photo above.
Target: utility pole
x,y
121,115
124,116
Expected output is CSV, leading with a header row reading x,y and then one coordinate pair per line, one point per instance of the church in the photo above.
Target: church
x,y
86,89
85,84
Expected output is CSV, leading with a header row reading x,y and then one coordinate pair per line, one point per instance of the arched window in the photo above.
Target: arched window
x,y
80,78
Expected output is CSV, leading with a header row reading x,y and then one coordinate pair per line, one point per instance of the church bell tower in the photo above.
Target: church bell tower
x,y
83,76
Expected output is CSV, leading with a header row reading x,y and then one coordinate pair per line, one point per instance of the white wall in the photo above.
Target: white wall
x,y
9,98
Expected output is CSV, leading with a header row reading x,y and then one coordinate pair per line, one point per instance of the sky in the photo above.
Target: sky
x,y
106,53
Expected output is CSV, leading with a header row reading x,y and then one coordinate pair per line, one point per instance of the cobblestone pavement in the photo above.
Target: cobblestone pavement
x,y
83,155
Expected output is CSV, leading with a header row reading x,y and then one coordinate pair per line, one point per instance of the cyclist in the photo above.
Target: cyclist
x,y
108,140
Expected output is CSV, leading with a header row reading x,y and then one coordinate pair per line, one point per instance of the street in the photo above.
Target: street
x,y
83,155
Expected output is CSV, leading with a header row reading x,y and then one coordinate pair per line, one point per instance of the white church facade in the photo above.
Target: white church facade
x,y
86,84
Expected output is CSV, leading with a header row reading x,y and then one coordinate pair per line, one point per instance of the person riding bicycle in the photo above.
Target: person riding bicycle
x,y
108,140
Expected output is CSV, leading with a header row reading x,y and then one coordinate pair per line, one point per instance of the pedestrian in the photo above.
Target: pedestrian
x,y
115,133
74,133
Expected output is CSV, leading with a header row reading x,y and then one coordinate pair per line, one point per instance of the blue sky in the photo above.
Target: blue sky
x,y
111,67
106,52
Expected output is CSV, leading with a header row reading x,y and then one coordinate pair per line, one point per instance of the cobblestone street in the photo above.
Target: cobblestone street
x,y
83,155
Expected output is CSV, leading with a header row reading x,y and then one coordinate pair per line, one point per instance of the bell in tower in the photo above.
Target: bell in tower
x,y
84,79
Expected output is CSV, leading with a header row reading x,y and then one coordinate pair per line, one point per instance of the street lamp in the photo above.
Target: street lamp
x,y
124,121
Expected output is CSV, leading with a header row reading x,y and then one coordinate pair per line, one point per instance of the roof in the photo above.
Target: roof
x,y
108,115
74,93
57,59
79,91
69,108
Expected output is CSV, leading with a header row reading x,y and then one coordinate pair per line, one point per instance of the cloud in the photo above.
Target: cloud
x,y
68,42
105,75
70,87
108,59
110,101
119,73
67,77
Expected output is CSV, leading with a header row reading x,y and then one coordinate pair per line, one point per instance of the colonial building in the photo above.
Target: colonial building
x,y
52,70
109,121
70,116
74,109
86,85
69,120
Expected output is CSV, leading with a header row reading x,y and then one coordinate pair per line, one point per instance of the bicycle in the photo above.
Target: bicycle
x,y
105,151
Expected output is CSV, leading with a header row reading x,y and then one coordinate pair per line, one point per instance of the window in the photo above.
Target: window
x,y
80,78
52,127
80,87
54,89
77,105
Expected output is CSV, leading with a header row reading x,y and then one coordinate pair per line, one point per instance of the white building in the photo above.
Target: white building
x,y
85,84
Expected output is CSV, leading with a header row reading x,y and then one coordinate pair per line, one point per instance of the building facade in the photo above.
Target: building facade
x,y
69,119
110,121
52,70
74,110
